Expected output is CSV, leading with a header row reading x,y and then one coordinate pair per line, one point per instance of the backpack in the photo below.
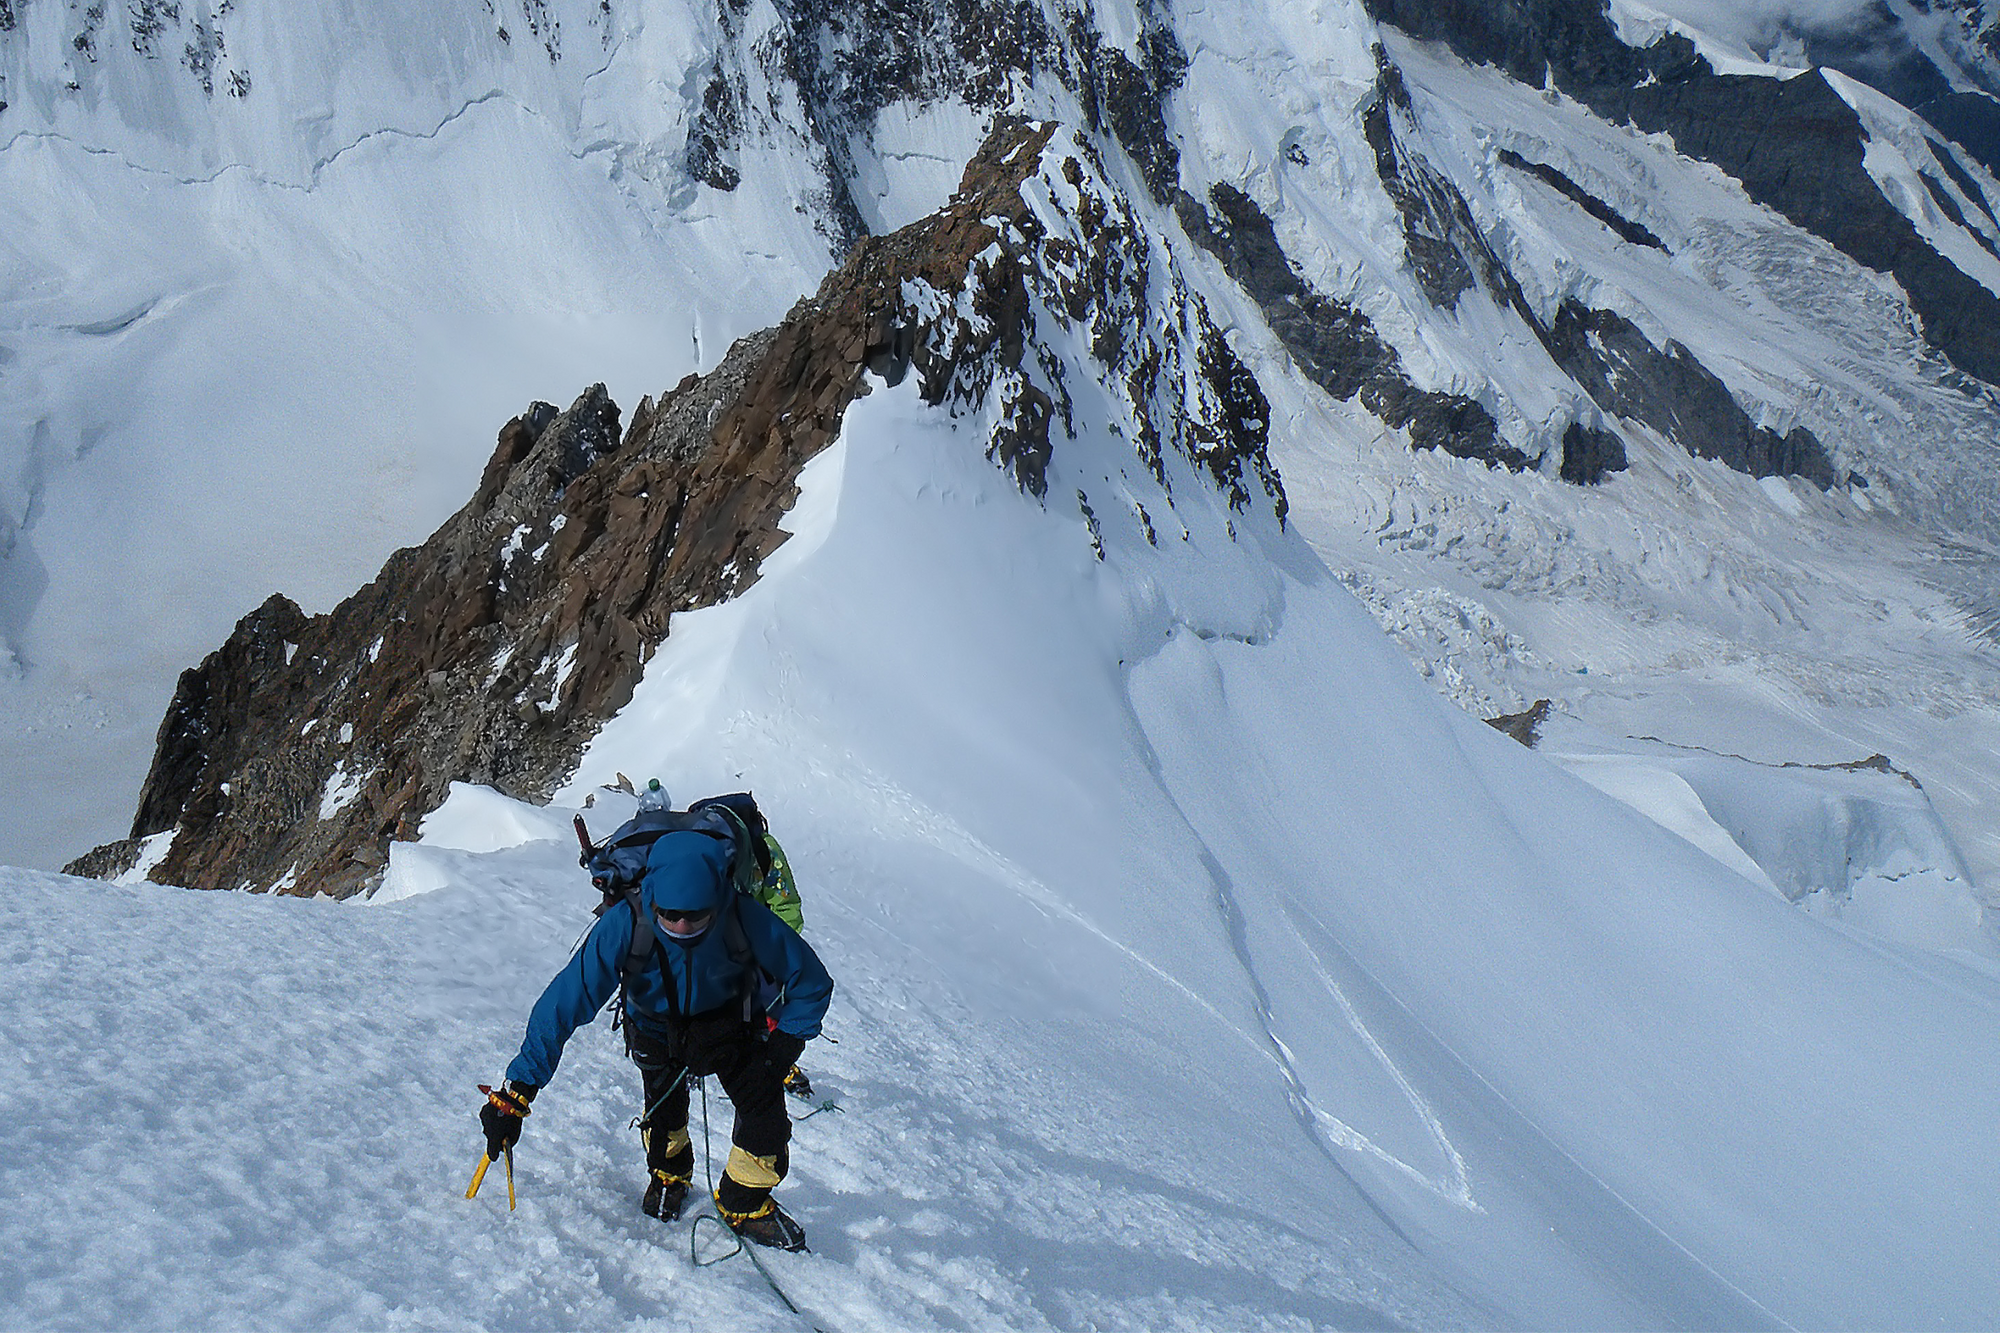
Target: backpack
x,y
618,864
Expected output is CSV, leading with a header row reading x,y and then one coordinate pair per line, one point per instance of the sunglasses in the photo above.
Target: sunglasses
x,y
666,914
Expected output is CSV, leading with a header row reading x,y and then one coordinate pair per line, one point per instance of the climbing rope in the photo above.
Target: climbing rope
x,y
647,1118
748,1251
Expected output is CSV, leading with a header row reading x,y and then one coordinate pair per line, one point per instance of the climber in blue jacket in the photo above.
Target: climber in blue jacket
x,y
727,989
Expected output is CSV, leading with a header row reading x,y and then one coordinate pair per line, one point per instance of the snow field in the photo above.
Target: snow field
x,y
1197,966
1651,1039
1175,989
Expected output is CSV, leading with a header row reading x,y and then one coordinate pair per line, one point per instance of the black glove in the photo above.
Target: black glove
x,y
501,1116
782,1050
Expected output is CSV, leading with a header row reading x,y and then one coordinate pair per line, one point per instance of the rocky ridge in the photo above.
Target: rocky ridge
x,y
823,72
844,66
833,70
295,752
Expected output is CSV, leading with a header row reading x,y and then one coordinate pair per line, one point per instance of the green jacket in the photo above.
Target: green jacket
x,y
779,891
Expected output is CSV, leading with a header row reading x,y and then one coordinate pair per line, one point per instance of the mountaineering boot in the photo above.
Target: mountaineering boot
x,y
670,1157
770,1225
798,1084
666,1195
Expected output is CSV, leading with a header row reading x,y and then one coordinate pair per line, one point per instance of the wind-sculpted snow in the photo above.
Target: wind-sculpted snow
x,y
1108,875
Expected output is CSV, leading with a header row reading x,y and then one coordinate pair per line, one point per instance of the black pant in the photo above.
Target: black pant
x,y
752,1071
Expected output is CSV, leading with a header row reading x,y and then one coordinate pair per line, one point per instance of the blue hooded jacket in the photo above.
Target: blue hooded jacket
x,y
685,872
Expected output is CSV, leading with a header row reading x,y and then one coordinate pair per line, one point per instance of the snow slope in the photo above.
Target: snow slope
x,y
1176,989
1199,965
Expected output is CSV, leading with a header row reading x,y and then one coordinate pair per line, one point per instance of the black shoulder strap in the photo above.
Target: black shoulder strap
x,y
640,950
733,937
755,978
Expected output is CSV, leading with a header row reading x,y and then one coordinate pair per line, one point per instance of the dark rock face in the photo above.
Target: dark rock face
x,y
1335,344
1590,454
1797,147
211,716
1584,199
1185,391
1949,207
1973,119
1526,726
1964,180
848,61
1531,40
1607,356
494,651
718,125
1438,230
1130,100
107,862
1449,253
1677,396
1873,47
1794,144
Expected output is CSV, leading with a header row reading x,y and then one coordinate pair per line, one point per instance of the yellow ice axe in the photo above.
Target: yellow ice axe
x,y
478,1176
514,1106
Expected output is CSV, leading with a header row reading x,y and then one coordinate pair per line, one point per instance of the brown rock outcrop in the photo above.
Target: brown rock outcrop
x,y
493,652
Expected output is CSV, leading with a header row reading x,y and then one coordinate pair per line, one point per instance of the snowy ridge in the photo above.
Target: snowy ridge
x,y
623,264
1036,295
1157,957
1199,965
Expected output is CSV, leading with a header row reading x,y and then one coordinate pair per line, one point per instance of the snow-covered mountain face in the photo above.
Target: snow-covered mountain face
x,y
226,224
1009,530
1941,60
